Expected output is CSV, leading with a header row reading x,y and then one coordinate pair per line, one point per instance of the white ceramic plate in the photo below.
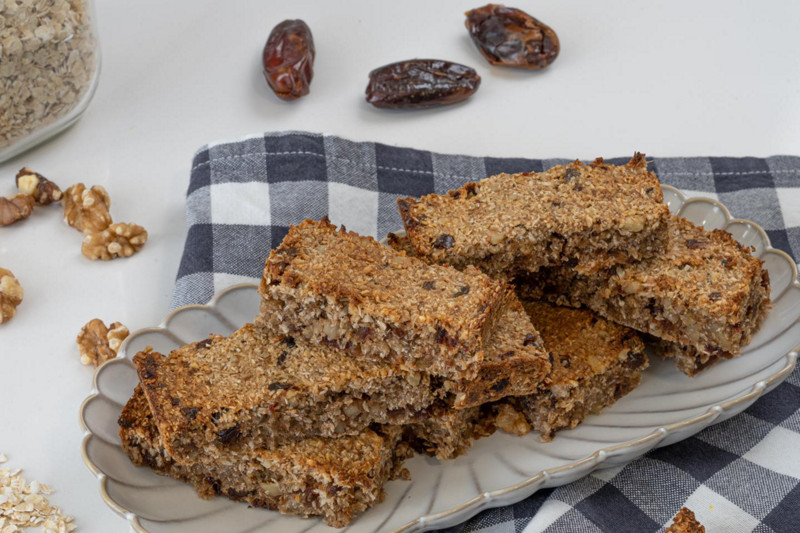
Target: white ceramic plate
x,y
499,470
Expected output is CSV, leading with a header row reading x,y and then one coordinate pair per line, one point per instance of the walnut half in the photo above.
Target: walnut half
x,y
15,209
87,209
118,240
40,188
98,343
11,294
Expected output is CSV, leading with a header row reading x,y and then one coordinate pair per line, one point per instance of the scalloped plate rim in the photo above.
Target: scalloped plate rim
x,y
506,495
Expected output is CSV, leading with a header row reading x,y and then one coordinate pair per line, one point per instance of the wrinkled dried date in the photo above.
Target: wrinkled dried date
x,y
288,59
420,83
509,37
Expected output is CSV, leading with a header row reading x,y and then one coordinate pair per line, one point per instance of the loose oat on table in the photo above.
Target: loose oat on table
x,y
24,505
85,209
118,240
98,343
47,62
33,184
11,294
15,209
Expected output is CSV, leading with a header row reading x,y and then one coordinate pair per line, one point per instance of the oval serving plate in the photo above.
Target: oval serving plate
x,y
498,470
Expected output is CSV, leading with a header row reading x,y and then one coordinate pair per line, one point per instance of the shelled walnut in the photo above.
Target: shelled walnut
x,y
15,209
11,294
511,421
118,240
33,184
98,343
87,209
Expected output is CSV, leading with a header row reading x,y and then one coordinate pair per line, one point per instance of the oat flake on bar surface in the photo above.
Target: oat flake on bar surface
x,y
23,505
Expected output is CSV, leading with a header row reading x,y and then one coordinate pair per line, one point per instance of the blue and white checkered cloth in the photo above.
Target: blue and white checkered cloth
x,y
243,195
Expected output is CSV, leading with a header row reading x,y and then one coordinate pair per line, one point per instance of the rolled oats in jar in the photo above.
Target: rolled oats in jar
x,y
49,64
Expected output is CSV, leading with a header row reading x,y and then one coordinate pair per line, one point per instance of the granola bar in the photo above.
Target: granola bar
x,y
338,288
706,293
265,390
332,478
254,387
595,362
587,216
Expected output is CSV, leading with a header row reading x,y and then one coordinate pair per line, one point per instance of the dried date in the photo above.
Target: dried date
x,y
421,83
510,37
288,59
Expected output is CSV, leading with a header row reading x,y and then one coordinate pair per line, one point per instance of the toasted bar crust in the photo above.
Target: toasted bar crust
x,y
590,216
348,291
332,478
705,292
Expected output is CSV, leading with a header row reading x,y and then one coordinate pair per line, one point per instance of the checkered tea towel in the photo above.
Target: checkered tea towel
x,y
243,196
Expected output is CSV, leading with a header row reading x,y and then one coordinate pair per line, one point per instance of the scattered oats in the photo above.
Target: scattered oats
x,y
22,505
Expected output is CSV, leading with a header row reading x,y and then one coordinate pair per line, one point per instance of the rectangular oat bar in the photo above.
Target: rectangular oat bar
x,y
595,363
350,292
705,292
332,478
266,390
587,216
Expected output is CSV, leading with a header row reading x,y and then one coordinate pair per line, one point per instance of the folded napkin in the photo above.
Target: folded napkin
x,y
243,195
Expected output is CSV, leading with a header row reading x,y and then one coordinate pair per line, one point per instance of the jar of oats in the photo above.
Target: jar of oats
x,y
49,66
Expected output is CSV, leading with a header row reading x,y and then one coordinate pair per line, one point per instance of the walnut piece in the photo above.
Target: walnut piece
x,y
98,343
511,421
43,190
87,209
118,240
11,294
15,209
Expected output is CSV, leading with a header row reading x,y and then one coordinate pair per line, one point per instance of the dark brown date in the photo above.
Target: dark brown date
x,y
509,37
288,59
420,83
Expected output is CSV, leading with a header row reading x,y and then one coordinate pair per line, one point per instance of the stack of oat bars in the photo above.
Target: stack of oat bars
x,y
363,353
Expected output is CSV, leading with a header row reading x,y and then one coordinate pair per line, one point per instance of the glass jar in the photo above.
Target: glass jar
x,y
49,67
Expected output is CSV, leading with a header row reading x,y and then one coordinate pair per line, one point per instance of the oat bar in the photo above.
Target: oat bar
x,y
265,390
706,293
587,216
595,362
350,292
258,388
332,478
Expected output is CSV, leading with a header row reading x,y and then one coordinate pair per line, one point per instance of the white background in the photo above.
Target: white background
x,y
668,78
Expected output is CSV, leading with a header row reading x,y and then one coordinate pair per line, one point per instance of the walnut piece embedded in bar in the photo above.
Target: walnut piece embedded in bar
x,y
332,478
705,292
588,216
338,288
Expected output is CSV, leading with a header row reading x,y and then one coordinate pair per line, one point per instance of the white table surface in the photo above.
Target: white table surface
x,y
678,78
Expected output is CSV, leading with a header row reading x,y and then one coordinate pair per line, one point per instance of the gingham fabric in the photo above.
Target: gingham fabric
x,y
243,196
